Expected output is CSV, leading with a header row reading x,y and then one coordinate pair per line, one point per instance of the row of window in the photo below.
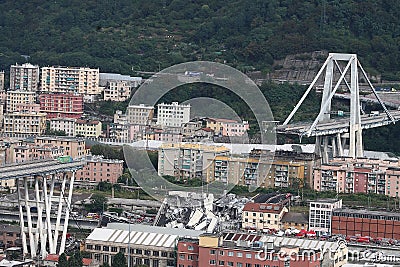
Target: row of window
x,y
133,251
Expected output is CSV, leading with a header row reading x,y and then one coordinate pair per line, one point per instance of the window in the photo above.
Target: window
x,y
97,247
230,253
239,264
113,249
89,246
181,256
212,262
164,254
212,252
230,263
248,255
239,254
190,247
221,263
221,253
156,253
248,264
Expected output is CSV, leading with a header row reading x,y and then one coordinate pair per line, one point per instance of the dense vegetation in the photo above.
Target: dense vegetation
x,y
147,35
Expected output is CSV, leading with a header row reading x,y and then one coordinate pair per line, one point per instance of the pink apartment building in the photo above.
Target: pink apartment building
x,y
98,169
358,176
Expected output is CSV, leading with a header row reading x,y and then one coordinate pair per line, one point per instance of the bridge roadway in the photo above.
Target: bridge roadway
x,y
39,167
84,223
335,126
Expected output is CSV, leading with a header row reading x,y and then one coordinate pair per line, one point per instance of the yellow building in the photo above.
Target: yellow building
x,y
88,128
74,147
25,123
295,220
251,171
261,216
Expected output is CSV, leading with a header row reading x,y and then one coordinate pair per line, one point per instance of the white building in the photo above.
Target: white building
x,y
140,114
63,124
152,246
24,77
320,218
172,115
84,81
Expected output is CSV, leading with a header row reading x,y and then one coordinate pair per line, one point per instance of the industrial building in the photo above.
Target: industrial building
x,y
149,245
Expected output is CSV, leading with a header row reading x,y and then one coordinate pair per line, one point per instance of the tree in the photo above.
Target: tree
x,y
62,261
119,260
97,203
76,259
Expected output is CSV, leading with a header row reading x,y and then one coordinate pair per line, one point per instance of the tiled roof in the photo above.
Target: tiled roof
x,y
264,208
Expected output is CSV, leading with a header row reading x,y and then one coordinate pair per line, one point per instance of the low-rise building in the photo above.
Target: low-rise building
x,y
61,105
66,125
25,123
241,250
10,236
51,260
296,220
118,87
375,224
262,216
88,128
149,245
226,127
320,216
99,169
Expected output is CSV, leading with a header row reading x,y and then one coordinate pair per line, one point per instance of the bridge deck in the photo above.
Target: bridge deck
x,y
335,126
40,167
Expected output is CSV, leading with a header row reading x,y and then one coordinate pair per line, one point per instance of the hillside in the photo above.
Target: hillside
x,y
123,35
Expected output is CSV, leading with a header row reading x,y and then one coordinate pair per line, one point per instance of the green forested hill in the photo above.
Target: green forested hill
x,y
117,35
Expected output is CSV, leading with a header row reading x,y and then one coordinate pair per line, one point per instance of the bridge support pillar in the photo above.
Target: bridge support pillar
x,y
43,236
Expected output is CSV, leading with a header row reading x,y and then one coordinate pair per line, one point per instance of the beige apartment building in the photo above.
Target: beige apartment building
x,y
262,216
74,147
18,98
2,81
25,123
88,128
185,161
140,114
24,77
117,91
285,169
82,80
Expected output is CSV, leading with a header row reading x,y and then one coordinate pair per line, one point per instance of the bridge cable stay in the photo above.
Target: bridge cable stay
x,y
376,95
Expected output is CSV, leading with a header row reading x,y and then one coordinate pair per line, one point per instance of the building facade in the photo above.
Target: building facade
x,y
261,216
295,220
25,123
140,114
320,216
117,91
362,175
375,224
84,81
185,161
172,115
245,250
24,77
74,147
18,98
226,127
59,105
149,245
262,168
63,124
10,236
98,169
88,128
